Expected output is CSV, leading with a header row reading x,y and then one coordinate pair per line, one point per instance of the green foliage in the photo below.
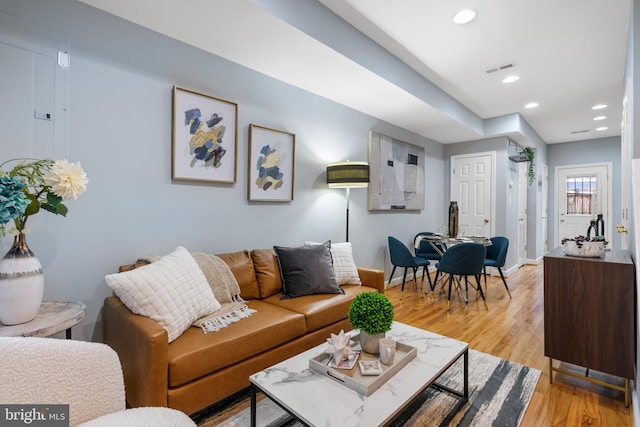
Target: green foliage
x,y
371,312
532,172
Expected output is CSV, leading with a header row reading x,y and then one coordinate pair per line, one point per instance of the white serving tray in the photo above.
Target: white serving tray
x,y
363,384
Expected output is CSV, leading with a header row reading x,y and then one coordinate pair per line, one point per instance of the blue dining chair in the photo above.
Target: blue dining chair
x,y
424,249
496,257
401,256
463,259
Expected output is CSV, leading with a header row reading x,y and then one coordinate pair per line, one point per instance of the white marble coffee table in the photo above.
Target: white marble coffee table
x,y
319,401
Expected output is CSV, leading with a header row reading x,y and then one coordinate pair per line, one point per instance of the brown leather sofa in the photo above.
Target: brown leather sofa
x,y
198,370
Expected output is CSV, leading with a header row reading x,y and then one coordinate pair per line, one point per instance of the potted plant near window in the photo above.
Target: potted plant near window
x,y
372,314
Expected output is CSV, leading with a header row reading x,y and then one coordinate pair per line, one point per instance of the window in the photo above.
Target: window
x,y
581,195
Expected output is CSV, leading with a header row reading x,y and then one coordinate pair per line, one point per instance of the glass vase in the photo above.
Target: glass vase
x,y
21,284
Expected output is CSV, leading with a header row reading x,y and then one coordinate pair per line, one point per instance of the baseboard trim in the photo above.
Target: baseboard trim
x,y
397,281
535,261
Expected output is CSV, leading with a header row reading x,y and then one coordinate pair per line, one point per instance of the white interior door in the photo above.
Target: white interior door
x,y
625,197
522,214
582,192
472,186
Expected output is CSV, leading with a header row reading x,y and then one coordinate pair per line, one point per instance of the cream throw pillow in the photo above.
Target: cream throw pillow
x,y
173,291
343,264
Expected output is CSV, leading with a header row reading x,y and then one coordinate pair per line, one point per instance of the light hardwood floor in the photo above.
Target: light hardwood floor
x,y
513,329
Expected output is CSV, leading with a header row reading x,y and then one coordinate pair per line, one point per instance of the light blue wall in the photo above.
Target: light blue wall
x,y
119,127
113,113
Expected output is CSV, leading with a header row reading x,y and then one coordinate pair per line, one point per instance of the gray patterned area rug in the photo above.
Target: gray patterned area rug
x,y
499,393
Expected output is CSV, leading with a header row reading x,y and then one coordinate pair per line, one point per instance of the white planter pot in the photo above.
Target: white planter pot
x,y
21,284
370,343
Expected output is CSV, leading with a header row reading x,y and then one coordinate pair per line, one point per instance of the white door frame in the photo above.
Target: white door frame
x,y
625,171
521,240
609,207
544,223
453,177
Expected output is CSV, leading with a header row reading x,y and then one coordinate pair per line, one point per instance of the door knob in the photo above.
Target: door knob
x,y
621,228
486,220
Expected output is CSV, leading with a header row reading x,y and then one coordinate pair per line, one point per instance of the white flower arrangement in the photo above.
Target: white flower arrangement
x,y
34,184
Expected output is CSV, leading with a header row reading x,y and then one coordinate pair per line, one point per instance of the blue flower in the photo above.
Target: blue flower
x,y
13,201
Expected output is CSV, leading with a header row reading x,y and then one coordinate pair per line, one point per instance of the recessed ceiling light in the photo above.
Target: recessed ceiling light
x,y
599,107
531,105
464,16
601,128
510,79
599,118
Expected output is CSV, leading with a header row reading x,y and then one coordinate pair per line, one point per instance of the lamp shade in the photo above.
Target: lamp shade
x,y
348,174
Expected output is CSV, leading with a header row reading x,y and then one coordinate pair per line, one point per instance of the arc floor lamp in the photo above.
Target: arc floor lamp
x,y
348,175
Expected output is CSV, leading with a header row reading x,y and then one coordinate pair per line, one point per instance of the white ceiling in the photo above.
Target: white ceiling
x,y
569,54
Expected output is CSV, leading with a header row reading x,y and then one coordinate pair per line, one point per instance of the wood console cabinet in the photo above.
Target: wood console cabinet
x,y
589,311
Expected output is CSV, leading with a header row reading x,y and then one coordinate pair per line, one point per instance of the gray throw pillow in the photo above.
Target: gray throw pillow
x,y
307,270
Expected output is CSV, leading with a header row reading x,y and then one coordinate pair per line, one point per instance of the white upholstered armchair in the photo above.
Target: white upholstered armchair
x,y
85,375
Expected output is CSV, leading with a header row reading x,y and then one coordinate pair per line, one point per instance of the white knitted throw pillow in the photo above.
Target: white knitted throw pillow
x,y
173,291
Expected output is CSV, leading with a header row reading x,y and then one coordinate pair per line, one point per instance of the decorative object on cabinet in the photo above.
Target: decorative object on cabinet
x,y
205,137
583,249
397,174
271,164
31,185
348,175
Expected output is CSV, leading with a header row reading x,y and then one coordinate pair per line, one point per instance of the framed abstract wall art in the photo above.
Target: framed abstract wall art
x,y
205,137
271,164
396,174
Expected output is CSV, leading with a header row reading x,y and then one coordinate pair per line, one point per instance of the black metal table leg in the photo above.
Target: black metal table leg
x,y
465,396
253,405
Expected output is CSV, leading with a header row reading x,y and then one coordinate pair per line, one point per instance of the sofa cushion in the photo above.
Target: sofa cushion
x,y
195,354
343,263
267,272
173,291
307,270
242,267
321,310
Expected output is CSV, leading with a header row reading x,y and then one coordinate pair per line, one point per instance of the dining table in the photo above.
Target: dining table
x,y
441,242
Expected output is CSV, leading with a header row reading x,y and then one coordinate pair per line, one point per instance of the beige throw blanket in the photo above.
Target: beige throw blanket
x,y
225,288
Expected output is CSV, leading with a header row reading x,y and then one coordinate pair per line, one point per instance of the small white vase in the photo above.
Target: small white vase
x,y
370,343
21,284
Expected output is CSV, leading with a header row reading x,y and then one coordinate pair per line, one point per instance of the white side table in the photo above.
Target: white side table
x,y
52,317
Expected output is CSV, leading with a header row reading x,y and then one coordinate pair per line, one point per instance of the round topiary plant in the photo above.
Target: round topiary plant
x,y
371,312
